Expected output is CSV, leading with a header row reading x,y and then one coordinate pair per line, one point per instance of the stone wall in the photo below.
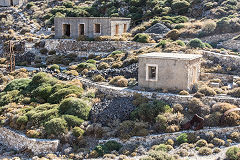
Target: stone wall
x,y
151,140
231,61
91,47
19,141
168,97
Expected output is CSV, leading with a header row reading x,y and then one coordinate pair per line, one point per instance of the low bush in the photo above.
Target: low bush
x,y
222,107
205,151
17,84
162,44
78,132
85,65
33,134
63,92
180,6
233,153
180,43
142,38
54,67
235,92
218,142
91,61
207,91
201,143
73,121
159,155
196,43
56,126
22,120
183,92
76,107
173,34
108,148
196,106
98,78
103,65
183,138
119,81
117,64
149,111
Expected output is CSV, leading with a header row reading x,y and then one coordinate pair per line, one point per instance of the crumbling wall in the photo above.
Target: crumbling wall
x,y
20,141
91,47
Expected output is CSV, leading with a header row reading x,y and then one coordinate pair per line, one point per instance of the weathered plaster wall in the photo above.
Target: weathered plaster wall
x,y
19,141
91,47
172,73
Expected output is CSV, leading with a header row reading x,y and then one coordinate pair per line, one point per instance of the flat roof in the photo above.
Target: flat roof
x,y
162,55
123,18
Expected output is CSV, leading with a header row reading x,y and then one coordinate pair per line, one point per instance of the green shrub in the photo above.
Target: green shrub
x,y
73,121
22,120
162,44
85,65
9,97
42,77
180,43
38,118
76,107
52,52
78,132
108,147
68,4
180,6
196,43
62,93
232,153
207,45
115,53
183,138
148,111
91,61
113,145
142,38
17,84
179,26
56,126
119,81
54,67
43,91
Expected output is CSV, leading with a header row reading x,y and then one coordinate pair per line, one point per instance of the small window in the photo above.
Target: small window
x,y
117,29
151,72
97,28
125,28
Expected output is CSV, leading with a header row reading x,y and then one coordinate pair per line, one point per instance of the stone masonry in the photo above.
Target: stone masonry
x,y
75,27
20,141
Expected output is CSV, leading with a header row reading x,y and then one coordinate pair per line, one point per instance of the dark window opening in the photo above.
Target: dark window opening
x,y
81,29
97,28
152,72
117,29
125,28
11,2
66,30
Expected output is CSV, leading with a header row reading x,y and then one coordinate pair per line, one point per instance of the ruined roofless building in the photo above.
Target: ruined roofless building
x,y
8,3
92,27
171,71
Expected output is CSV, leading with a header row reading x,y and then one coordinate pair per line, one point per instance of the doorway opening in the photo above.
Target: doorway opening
x,y
81,29
66,30
117,29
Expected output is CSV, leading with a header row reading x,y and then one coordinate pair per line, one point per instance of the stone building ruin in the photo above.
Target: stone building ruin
x,y
91,27
171,71
8,3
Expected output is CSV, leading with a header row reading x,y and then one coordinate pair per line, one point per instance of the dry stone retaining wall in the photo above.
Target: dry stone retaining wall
x,y
151,140
91,47
170,98
19,141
